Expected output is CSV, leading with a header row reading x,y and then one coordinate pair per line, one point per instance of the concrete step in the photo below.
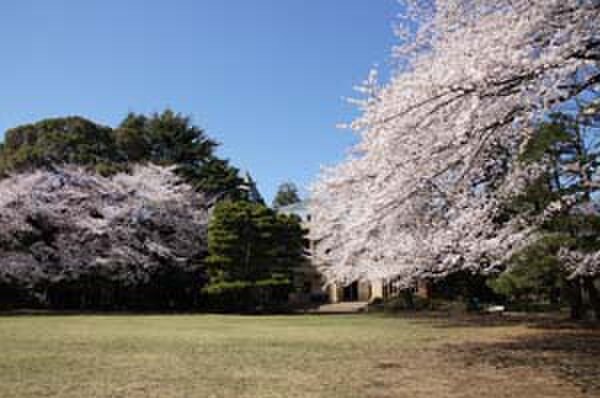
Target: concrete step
x,y
341,308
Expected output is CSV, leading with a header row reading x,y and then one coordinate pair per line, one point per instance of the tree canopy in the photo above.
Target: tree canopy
x,y
167,138
560,209
287,194
114,218
250,242
77,240
420,195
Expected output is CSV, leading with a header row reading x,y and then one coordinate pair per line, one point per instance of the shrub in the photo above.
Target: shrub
x,y
269,295
407,301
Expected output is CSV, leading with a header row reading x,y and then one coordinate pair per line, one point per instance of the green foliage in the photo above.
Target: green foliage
x,y
408,302
566,148
250,242
290,244
106,169
252,192
463,286
170,138
534,272
548,137
582,229
55,141
253,253
534,199
239,242
215,177
166,138
242,296
287,194
134,144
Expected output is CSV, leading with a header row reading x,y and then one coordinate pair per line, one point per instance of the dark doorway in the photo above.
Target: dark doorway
x,y
351,292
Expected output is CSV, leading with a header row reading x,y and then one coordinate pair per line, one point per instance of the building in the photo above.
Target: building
x,y
313,287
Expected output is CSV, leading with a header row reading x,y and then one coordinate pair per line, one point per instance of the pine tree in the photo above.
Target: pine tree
x,y
250,242
287,194
561,204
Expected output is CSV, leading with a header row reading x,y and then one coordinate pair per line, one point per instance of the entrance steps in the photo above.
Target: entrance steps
x,y
341,308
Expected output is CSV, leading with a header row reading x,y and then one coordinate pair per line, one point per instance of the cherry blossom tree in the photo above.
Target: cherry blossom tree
x,y
420,195
78,239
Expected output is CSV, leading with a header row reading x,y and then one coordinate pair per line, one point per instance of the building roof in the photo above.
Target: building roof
x,y
300,209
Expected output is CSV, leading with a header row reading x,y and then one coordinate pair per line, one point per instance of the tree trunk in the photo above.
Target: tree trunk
x,y
409,299
555,296
593,295
576,300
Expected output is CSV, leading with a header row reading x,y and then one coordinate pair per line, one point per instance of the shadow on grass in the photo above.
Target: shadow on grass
x,y
544,321
570,350
573,356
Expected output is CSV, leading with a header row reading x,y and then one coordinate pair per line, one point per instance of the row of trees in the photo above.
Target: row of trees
x,y
166,139
462,129
101,218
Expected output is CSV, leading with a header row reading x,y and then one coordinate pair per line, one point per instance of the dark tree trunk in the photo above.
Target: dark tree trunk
x,y
409,299
555,296
576,300
593,295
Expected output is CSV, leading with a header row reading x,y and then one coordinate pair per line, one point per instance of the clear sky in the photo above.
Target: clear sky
x,y
264,77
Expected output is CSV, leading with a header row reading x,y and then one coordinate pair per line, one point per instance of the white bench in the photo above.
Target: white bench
x,y
495,309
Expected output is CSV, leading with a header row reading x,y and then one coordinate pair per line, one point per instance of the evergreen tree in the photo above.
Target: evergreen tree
x,y
291,245
73,140
167,138
250,242
170,138
535,273
561,203
240,236
287,194
252,190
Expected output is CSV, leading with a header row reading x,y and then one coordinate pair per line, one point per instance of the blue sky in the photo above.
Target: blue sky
x,y
264,77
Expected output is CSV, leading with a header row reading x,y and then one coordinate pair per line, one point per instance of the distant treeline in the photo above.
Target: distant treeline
x,y
166,138
50,258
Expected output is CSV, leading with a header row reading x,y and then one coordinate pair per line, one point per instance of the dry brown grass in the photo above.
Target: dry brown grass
x,y
298,356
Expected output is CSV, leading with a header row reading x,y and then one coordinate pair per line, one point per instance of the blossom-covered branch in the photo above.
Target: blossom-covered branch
x,y
421,192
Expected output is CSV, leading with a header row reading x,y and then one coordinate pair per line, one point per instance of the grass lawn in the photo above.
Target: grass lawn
x,y
296,356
